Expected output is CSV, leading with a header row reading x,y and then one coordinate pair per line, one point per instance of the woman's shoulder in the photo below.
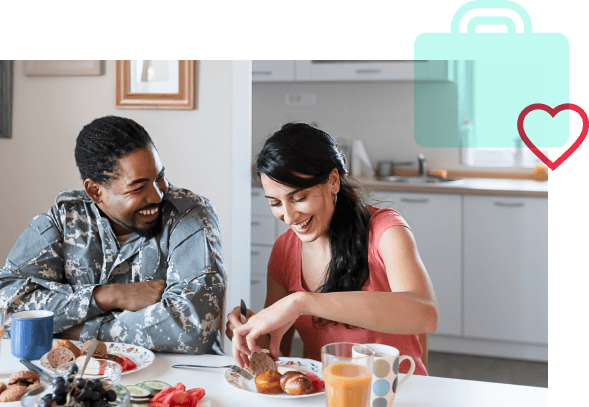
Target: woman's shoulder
x,y
385,217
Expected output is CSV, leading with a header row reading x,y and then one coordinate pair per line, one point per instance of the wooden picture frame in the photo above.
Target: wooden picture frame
x,y
62,68
174,90
6,85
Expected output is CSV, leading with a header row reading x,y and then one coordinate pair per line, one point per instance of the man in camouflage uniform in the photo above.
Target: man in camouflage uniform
x,y
130,259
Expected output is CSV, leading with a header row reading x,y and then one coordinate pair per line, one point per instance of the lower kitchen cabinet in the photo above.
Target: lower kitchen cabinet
x,y
506,269
435,220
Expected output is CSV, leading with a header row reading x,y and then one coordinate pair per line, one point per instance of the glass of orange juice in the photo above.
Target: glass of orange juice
x,y
347,377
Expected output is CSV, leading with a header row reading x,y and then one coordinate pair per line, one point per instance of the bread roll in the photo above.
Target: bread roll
x,y
65,343
24,378
268,382
297,385
13,393
2,386
287,375
261,362
60,355
100,347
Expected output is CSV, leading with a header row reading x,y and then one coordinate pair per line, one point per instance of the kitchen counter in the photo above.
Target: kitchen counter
x,y
465,186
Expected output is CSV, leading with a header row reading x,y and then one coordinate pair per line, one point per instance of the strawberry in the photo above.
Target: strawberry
x,y
159,397
180,386
318,384
198,394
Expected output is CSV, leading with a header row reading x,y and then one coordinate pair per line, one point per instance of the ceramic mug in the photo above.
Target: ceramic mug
x,y
31,333
385,373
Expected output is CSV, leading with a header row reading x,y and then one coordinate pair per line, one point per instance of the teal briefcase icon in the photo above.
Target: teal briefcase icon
x,y
495,76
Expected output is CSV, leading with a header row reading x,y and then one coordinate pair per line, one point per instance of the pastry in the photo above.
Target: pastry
x,y
287,375
100,347
23,378
65,343
268,382
297,384
60,355
13,393
2,386
261,362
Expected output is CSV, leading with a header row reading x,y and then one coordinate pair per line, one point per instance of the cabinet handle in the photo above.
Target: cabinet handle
x,y
255,253
254,282
509,204
415,200
368,71
261,72
256,223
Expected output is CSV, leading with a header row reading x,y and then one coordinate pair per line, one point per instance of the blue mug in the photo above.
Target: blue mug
x,y
31,333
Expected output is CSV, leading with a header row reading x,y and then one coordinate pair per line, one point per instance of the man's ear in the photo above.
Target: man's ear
x,y
93,190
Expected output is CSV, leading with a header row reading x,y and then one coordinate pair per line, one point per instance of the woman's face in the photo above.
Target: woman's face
x,y
308,211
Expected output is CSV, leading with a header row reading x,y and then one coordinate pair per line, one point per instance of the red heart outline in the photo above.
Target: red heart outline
x,y
552,112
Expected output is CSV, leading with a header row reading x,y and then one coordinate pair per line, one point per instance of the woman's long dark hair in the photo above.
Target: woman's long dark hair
x,y
304,149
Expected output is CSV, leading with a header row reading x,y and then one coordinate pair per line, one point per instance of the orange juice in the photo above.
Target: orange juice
x,y
347,385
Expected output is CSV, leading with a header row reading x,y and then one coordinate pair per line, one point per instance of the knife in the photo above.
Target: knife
x,y
243,309
45,376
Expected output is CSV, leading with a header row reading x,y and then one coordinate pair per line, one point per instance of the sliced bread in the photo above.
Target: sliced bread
x,y
261,362
60,355
100,347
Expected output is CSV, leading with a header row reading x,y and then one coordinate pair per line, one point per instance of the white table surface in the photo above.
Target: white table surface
x,y
418,391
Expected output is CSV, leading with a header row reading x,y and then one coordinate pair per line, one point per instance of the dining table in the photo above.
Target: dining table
x,y
417,391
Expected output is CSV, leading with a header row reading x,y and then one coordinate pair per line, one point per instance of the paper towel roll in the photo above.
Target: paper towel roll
x,y
361,165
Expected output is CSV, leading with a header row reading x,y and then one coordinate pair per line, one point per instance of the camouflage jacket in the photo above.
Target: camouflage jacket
x,y
68,251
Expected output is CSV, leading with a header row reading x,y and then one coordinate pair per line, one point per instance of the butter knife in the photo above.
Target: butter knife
x,y
46,377
243,310
91,350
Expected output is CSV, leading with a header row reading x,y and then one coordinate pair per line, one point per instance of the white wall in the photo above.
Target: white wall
x,y
378,113
198,148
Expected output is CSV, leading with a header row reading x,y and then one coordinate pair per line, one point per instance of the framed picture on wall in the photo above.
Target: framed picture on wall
x,y
62,68
155,84
6,84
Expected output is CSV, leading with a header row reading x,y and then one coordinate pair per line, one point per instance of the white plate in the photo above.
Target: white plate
x,y
141,356
302,365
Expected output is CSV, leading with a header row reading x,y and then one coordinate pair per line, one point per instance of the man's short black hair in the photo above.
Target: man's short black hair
x,y
101,143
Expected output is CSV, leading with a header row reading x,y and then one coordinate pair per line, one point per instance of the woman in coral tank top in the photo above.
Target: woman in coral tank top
x,y
344,271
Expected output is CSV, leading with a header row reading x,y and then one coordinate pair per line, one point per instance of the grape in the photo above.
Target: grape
x,y
58,380
48,397
60,400
45,403
73,369
111,395
80,383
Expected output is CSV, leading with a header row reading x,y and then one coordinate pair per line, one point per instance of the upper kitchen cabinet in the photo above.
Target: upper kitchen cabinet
x,y
352,71
373,71
273,71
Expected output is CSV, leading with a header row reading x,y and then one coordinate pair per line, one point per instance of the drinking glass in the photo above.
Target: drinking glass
x,y
347,375
2,312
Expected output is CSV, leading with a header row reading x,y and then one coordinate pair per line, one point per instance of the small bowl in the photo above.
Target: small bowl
x,y
110,376
33,397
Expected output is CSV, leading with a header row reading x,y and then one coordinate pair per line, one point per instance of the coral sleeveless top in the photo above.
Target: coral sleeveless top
x,y
285,267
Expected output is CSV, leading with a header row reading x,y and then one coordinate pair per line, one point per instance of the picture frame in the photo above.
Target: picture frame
x,y
6,92
62,68
150,84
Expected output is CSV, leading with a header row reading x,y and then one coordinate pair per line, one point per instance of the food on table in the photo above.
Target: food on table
x,y
177,396
67,344
60,355
155,386
261,362
13,393
100,347
18,384
127,364
318,384
296,383
268,382
70,391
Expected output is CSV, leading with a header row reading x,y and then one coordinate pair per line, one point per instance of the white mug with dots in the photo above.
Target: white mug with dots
x,y
385,373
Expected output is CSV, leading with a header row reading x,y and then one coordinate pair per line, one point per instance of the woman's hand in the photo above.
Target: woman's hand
x,y
274,320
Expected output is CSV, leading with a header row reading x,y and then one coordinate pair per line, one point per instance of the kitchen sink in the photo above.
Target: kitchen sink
x,y
418,180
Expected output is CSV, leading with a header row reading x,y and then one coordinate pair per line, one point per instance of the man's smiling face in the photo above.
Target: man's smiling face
x,y
132,199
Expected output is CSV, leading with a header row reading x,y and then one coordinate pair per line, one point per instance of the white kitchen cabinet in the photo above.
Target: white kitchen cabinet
x,y
435,220
329,70
506,268
273,71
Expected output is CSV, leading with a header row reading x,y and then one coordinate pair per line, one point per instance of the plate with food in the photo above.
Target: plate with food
x,y
285,378
14,387
131,357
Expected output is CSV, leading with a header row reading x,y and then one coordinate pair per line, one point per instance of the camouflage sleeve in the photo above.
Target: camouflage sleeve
x,y
188,318
34,275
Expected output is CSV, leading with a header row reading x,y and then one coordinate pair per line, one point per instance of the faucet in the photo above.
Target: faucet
x,y
422,165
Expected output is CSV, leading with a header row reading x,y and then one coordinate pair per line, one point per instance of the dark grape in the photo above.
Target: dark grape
x,y
111,395
45,403
69,379
60,400
80,383
58,380
48,397
73,369
95,396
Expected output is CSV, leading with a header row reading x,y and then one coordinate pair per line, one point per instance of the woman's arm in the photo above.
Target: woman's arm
x,y
410,308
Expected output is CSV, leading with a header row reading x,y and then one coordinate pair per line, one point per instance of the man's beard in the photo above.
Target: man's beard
x,y
148,232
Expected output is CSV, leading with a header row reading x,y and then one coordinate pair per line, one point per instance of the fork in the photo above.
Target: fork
x,y
242,372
